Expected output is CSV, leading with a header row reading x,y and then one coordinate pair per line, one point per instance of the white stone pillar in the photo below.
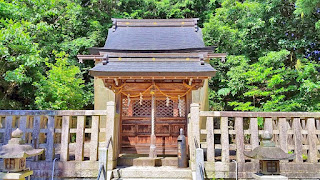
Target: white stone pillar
x,y
199,164
110,133
194,137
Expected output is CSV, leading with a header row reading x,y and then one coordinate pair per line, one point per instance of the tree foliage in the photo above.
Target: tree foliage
x,y
30,31
274,56
273,47
61,87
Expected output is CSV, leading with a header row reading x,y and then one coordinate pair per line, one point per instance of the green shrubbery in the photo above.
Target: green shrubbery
x,y
273,47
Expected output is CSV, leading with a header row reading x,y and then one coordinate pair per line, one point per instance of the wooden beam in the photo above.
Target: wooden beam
x,y
217,55
143,56
154,77
88,57
155,55
188,22
173,89
157,59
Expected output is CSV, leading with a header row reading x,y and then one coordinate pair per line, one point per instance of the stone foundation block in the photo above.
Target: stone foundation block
x,y
144,161
269,177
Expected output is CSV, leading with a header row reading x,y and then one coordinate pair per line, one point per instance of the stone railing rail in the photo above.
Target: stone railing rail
x,y
226,135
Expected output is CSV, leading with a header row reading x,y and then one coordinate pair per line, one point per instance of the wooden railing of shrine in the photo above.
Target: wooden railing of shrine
x,y
226,135
71,136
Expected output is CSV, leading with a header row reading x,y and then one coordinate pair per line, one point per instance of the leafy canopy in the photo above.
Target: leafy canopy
x,y
274,55
61,87
273,47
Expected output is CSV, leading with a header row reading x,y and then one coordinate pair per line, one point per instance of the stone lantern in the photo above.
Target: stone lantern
x,y
269,157
14,156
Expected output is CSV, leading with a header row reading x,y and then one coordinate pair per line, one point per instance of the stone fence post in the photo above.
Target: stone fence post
x,y
107,157
110,133
194,136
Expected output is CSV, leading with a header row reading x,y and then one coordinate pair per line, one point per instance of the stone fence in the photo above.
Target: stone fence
x,y
74,136
224,136
71,136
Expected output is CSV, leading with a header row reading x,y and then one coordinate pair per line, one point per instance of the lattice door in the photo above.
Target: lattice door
x,y
136,125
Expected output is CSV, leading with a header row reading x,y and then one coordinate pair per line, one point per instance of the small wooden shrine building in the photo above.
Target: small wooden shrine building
x,y
153,69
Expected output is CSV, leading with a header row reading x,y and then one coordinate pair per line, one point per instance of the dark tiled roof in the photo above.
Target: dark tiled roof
x,y
154,38
175,68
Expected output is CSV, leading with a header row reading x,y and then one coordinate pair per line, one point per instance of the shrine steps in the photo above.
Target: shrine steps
x,y
152,173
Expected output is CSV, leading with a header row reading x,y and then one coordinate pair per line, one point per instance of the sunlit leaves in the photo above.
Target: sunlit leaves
x,y
224,91
240,106
61,87
267,42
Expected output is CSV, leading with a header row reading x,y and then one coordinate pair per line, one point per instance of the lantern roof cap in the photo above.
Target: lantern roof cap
x,y
16,149
268,150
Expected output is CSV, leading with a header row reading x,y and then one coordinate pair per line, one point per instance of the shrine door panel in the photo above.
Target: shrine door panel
x,y
136,125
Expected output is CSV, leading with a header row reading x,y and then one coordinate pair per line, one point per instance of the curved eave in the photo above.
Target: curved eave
x,y
153,74
153,69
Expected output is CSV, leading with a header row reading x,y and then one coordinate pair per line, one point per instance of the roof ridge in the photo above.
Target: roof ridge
x,y
188,22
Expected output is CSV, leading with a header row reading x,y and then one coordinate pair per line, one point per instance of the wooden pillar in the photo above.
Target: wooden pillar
x,y
175,109
153,151
130,109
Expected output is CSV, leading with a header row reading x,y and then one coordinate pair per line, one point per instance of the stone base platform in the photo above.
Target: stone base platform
x,y
130,160
16,175
269,177
144,161
152,173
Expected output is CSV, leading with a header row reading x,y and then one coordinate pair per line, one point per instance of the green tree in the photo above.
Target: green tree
x,y
62,87
273,47
30,32
165,9
273,63
19,61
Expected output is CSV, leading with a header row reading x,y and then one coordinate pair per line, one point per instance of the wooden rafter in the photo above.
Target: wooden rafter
x,y
154,78
173,89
